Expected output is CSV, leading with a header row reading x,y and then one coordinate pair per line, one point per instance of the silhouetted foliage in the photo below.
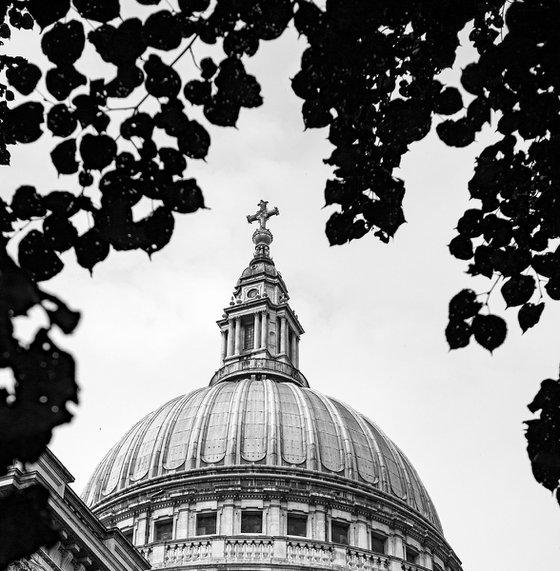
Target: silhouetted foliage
x,y
370,73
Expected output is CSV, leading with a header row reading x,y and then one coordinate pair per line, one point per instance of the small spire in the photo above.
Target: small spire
x,y
262,237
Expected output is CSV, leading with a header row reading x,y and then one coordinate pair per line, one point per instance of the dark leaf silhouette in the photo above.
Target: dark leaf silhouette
x,y
184,196
163,31
37,257
97,151
518,290
59,232
62,80
61,121
27,203
60,314
23,123
489,331
529,315
64,157
98,10
46,13
24,77
458,333
464,305
64,43
91,249
543,435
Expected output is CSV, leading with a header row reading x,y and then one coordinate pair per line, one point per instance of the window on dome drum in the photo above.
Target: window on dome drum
x,y
411,555
378,542
128,534
163,530
206,523
297,524
251,522
339,532
248,334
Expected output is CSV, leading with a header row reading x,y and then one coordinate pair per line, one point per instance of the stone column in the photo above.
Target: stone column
x,y
293,345
282,335
231,336
264,324
257,343
296,351
223,353
237,348
320,524
227,519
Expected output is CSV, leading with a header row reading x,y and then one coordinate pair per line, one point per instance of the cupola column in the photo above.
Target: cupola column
x,y
223,353
296,352
282,335
264,324
231,336
237,348
257,342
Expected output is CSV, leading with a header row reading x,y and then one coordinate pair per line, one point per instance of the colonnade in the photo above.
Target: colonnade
x,y
232,336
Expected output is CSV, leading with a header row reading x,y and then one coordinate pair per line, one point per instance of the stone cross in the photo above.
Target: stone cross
x,y
263,214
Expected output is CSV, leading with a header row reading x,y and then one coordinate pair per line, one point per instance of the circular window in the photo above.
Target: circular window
x,y
252,293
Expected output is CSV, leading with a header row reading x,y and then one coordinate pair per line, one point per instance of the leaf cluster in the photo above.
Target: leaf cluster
x,y
543,436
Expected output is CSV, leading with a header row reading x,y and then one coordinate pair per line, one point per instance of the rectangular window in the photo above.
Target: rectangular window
x,y
297,524
248,335
378,542
128,534
411,555
163,530
251,522
206,523
339,532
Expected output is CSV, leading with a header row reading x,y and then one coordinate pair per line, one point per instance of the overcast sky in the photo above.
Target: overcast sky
x,y
374,317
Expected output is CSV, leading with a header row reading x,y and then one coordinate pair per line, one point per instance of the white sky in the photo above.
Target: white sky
x,y
374,317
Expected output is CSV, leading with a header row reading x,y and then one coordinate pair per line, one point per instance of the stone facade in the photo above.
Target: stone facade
x,y
85,544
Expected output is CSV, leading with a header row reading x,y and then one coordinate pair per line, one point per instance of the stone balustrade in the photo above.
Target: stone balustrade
x,y
283,552
259,366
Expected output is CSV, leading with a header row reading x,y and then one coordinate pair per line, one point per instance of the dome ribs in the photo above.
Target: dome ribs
x,y
394,476
235,419
292,418
199,429
272,442
254,425
179,435
362,449
214,441
330,446
146,445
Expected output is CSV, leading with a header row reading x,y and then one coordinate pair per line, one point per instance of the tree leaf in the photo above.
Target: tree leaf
x,y
63,157
529,315
22,124
59,232
489,331
46,13
97,151
62,80
458,333
64,43
518,290
464,305
27,203
61,121
24,77
37,258
91,249
98,10
163,31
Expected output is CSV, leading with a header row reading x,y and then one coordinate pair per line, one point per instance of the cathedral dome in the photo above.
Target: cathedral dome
x,y
260,424
258,470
